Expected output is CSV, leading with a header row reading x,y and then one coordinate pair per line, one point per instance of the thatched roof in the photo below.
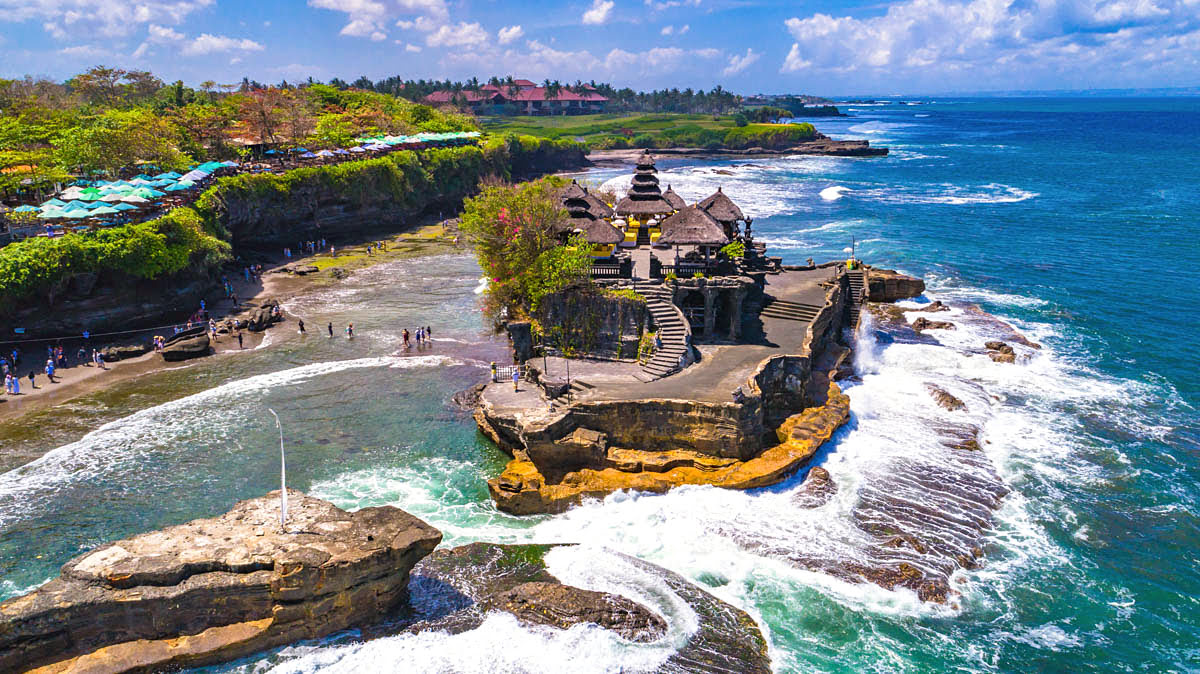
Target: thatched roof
x,y
645,161
722,208
599,231
573,191
692,226
674,199
597,207
632,205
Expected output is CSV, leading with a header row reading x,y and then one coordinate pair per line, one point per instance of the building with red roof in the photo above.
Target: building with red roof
x,y
523,98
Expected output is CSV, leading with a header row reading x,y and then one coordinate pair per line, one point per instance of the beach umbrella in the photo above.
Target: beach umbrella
x,y
229,163
194,176
51,214
209,167
54,203
124,207
177,187
340,151
25,209
357,149
324,153
74,206
93,205
113,197
299,149
308,155
147,193
135,199
169,175
104,210
77,215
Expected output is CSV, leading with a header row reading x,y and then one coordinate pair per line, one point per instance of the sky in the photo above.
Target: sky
x,y
822,47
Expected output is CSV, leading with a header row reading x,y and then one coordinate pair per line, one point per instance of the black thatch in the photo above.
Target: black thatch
x,y
692,226
596,207
599,231
633,206
645,162
722,208
573,191
674,199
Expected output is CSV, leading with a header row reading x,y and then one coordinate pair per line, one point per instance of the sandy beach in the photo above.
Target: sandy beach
x,y
276,283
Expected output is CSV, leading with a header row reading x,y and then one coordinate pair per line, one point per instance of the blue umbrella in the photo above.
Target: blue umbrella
x,y
55,203
124,207
300,149
25,209
308,155
177,187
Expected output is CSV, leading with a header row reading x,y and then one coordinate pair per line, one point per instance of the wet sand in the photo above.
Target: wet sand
x,y
82,379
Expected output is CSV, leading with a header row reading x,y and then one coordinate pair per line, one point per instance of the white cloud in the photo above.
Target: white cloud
x,y
155,35
107,18
684,28
667,30
84,51
964,43
211,44
539,60
599,12
510,34
369,18
235,60
412,49
739,63
460,35
660,5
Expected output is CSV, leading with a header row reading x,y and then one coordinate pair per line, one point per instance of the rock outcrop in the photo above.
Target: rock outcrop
x,y
1000,352
217,589
454,589
113,354
943,398
886,285
922,324
263,317
186,348
523,489
816,490
932,307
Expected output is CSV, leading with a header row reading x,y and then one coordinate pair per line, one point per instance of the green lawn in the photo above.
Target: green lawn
x,y
585,126
650,130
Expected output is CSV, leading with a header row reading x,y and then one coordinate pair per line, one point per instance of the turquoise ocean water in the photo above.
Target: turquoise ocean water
x,y
1074,220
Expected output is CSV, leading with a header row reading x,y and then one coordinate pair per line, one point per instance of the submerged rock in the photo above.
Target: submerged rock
x,y
943,398
922,324
453,590
1000,352
816,490
217,589
932,307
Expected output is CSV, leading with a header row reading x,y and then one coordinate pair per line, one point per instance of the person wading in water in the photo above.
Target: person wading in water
x,y
331,330
301,326
350,331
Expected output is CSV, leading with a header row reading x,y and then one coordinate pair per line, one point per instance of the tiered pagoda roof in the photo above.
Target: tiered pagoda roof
x,y
644,198
722,208
585,216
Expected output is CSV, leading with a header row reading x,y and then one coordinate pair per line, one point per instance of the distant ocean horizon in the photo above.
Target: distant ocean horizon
x,y
1075,220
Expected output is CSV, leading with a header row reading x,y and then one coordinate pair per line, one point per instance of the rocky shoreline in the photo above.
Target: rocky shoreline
x,y
213,590
823,146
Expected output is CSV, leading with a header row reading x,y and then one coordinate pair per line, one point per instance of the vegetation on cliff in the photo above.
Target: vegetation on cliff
x,y
514,229
197,239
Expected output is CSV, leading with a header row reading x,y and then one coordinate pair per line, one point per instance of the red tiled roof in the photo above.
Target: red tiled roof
x,y
523,83
525,95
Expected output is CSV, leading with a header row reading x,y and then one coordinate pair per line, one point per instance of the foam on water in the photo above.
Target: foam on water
x,y
117,446
834,193
502,644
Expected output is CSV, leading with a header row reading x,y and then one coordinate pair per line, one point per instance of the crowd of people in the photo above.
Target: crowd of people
x,y
56,359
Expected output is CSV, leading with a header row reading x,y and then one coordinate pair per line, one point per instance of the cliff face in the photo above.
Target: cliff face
x,y
217,589
594,322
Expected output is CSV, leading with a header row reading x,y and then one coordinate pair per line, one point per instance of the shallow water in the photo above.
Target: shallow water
x,y
1058,216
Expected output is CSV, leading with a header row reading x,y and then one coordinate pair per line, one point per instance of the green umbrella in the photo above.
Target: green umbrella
x,y
77,215
104,210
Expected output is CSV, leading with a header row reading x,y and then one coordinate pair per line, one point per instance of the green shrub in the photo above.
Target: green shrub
x,y
734,251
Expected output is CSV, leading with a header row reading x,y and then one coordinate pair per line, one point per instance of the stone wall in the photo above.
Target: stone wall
x,y
593,322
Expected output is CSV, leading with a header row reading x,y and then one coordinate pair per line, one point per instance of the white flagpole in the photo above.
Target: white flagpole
x,y
282,475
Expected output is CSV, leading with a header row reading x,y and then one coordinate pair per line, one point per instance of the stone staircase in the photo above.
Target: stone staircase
x,y
578,387
671,329
790,311
857,295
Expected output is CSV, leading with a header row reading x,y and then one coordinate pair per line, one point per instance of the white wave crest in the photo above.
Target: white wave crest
x,y
834,193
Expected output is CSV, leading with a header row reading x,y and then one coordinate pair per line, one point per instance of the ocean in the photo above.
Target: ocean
x,y
1074,220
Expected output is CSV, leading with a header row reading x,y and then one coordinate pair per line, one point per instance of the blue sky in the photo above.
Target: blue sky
x,y
815,46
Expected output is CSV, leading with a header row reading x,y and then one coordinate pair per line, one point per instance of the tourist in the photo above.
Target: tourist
x,y
81,355
350,331
16,385
32,384
301,326
428,332
418,337
240,339
404,337
516,377
99,358
7,383
331,330
50,370
233,298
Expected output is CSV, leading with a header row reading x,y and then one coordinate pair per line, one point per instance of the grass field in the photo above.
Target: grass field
x,y
651,130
